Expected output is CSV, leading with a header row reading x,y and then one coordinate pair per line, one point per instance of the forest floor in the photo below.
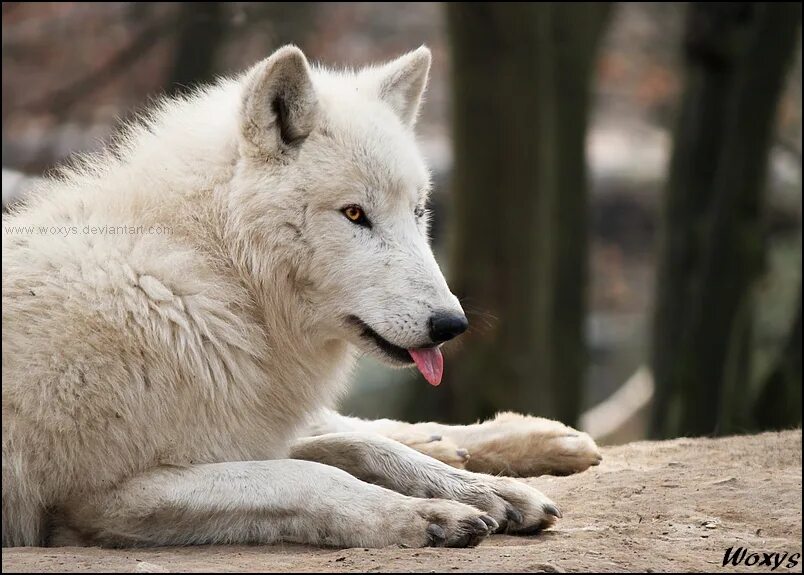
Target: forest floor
x,y
650,506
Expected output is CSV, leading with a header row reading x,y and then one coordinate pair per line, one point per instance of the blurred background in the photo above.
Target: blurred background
x,y
617,192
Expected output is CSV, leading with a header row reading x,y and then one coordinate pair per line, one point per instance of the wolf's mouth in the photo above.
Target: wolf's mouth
x,y
428,359
400,354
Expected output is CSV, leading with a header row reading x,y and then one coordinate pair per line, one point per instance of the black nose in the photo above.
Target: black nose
x,y
444,326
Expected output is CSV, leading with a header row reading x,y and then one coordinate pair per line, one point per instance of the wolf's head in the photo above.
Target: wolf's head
x,y
335,184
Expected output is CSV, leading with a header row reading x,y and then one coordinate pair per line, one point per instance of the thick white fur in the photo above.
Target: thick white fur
x,y
138,368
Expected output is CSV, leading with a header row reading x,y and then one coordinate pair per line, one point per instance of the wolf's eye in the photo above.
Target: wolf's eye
x,y
419,211
356,215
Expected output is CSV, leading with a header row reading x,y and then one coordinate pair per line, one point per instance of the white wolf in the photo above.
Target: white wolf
x,y
175,388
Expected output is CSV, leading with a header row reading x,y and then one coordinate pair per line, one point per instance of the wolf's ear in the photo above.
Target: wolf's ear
x,y
279,106
402,83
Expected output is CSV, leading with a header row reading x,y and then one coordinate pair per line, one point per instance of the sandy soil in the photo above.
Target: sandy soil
x,y
668,506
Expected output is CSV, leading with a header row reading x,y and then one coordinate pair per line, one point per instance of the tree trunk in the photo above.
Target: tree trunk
x,y
712,247
202,27
778,405
564,234
518,257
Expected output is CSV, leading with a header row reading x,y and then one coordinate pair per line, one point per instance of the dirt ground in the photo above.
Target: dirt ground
x,y
666,506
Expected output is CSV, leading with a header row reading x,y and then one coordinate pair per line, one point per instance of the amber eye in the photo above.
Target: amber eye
x,y
356,215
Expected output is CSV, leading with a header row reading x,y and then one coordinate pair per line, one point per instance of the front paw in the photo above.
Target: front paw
x,y
525,446
571,452
443,523
435,446
516,507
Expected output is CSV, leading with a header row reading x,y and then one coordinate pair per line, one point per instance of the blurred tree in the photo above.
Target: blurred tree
x,y
712,251
202,27
149,30
288,22
778,405
521,74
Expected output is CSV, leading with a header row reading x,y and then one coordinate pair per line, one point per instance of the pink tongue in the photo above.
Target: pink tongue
x,y
430,362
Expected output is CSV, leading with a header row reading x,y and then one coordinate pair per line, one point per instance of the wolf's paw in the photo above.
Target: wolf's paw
x,y
516,507
436,446
572,452
443,523
513,444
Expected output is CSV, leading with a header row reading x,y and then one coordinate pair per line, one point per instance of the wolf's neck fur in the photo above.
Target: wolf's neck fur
x,y
176,169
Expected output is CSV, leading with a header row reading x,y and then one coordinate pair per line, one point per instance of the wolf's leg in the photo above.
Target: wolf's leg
x,y
268,501
509,444
517,508
425,438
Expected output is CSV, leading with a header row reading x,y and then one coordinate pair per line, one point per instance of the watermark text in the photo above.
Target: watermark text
x,y
87,230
